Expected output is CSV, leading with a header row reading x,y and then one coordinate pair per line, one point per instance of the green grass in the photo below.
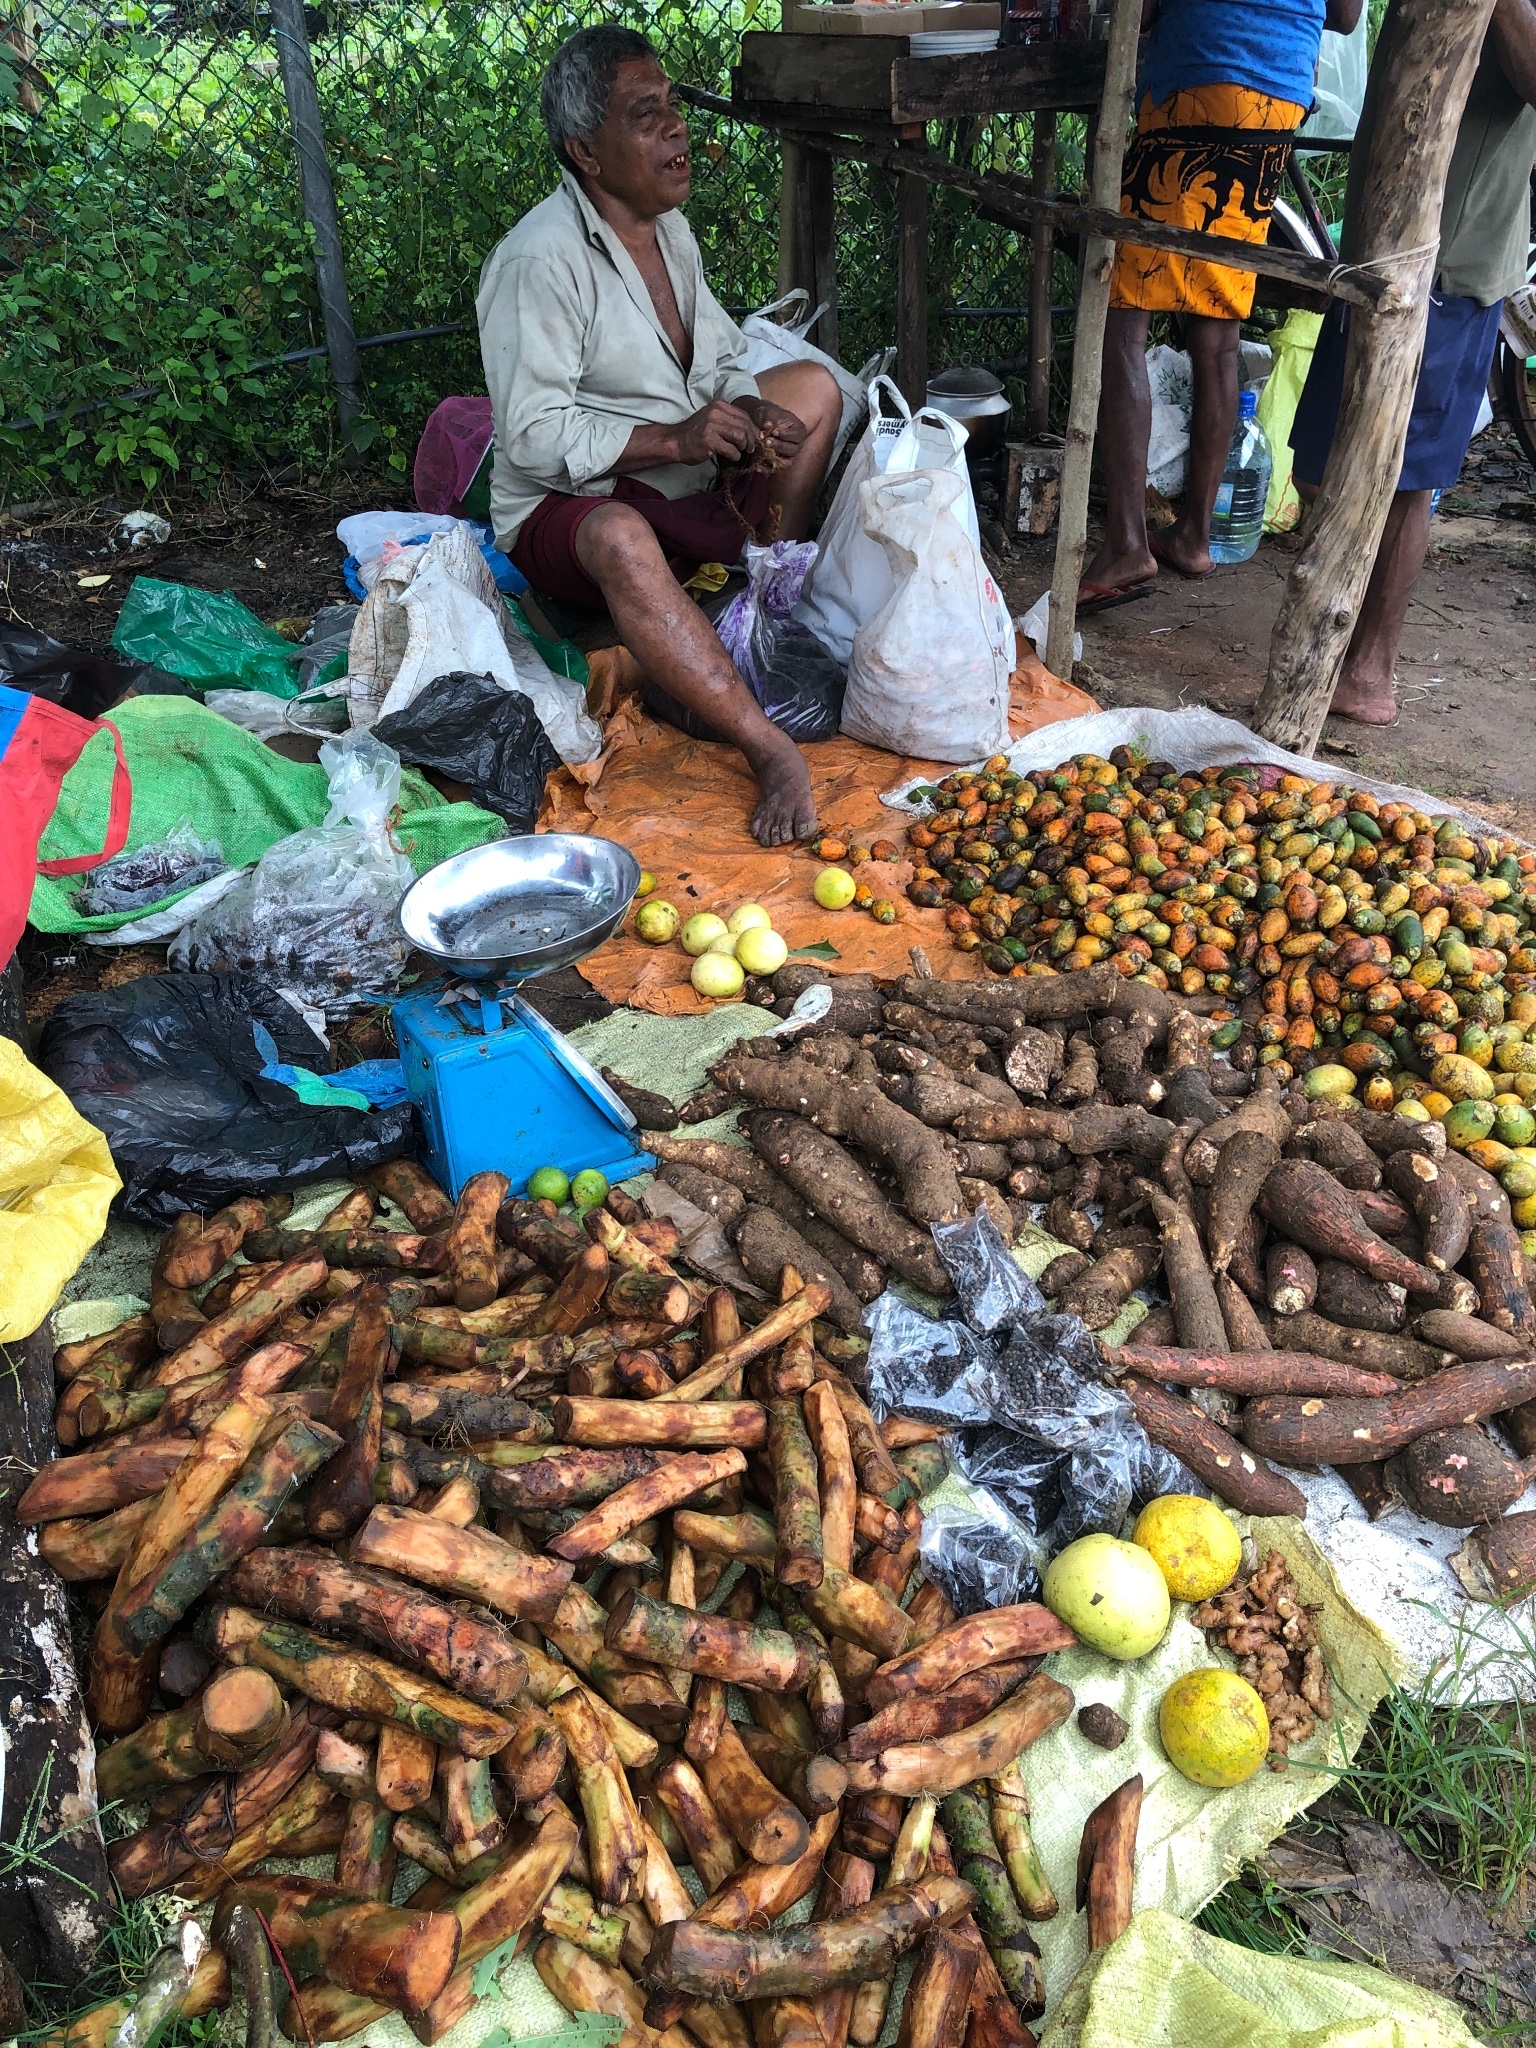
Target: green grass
x,y
1457,1782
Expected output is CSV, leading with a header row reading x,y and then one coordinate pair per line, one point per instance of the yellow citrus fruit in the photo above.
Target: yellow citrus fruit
x,y
1214,1727
1197,1549
716,976
656,922
761,951
834,888
746,917
700,930
647,882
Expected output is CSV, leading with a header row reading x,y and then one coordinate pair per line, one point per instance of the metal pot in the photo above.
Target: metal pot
x,y
975,398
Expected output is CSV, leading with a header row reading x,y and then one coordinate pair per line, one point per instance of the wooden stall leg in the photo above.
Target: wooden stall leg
x,y
1418,87
822,234
912,288
1088,343
1042,253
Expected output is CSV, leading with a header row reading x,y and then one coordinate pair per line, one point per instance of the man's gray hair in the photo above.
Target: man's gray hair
x,y
573,97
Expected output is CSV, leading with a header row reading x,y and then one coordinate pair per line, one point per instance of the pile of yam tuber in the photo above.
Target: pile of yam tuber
x,y
455,1547
1343,1287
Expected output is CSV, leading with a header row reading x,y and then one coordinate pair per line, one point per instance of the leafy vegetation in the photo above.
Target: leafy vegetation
x,y
155,262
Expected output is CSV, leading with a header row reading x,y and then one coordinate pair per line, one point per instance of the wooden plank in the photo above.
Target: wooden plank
x,y
821,214
831,74
1014,80
1042,255
912,289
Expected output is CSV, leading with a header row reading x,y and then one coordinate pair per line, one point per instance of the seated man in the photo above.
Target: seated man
x,y
630,444
1224,87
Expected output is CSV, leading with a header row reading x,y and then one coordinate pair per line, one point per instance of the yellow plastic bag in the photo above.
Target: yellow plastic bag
x,y
1292,346
1165,1981
56,1182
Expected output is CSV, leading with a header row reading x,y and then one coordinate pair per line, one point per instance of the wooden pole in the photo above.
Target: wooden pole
x,y
298,73
912,288
1042,253
1419,81
1088,344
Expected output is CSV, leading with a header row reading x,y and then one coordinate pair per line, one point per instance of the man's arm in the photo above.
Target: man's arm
x,y
1513,29
1343,16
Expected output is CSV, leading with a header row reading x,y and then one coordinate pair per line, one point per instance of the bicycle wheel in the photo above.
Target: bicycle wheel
x,y
1517,387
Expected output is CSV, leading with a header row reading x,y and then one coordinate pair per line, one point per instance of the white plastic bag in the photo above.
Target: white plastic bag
x,y
851,577
1171,378
1339,94
770,343
929,673
436,611
317,912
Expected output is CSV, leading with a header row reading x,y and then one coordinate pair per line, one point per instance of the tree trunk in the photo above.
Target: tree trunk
x,y
53,1910
1418,87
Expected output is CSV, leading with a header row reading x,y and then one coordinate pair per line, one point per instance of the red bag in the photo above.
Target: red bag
x,y
39,744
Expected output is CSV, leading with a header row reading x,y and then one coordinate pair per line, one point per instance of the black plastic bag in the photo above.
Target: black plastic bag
x,y
79,679
489,738
797,682
1034,1420
168,1070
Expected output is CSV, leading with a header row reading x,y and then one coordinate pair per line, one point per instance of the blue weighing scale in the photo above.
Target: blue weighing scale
x,y
496,1086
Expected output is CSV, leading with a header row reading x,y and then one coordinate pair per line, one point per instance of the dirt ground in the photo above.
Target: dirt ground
x,y
1467,673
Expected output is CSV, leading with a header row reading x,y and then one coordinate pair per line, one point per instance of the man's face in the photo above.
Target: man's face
x,y
640,153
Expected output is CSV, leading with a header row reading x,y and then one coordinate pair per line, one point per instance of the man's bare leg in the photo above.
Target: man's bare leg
x,y
1364,688
811,394
1213,354
1125,427
673,641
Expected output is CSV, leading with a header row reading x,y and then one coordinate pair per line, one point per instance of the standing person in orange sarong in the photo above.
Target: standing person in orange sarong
x,y
1224,86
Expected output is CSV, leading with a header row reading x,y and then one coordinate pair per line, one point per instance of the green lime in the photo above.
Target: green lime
x,y
549,1184
589,1188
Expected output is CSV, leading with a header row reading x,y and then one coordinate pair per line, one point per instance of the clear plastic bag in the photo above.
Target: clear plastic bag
x,y
977,1553
792,676
147,875
1035,1423
317,913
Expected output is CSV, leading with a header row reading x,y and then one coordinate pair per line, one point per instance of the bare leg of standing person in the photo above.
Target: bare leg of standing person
x,y
1213,353
1364,689
1125,427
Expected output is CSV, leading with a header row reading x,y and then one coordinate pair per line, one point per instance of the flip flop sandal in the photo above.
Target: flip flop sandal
x,y
1103,597
1166,561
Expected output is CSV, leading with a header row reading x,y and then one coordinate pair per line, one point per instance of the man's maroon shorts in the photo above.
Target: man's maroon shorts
x,y
711,526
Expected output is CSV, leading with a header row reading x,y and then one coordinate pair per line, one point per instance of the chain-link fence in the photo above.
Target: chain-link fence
x,y
158,309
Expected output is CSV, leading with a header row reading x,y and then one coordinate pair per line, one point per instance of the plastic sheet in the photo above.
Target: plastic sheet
x,y
317,913
484,736
1034,1423
168,1069
81,681
134,881
796,681
207,639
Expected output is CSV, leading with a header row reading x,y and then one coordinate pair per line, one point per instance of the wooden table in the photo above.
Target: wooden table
x,y
873,90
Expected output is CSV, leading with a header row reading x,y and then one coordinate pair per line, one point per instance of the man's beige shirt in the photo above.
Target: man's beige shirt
x,y
575,357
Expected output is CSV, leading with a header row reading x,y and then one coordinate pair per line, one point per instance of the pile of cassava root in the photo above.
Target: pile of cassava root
x,y
1344,1289
447,1545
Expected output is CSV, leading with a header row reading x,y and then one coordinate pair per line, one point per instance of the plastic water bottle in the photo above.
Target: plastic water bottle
x,y
1238,517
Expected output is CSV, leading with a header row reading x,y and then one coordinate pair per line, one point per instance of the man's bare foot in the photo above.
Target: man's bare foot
x,y
1117,568
787,810
1183,550
1367,699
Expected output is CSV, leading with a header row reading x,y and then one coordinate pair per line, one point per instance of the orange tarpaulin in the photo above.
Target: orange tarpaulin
x,y
681,806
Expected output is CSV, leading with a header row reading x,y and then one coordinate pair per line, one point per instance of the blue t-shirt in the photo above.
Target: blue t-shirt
x,y
1270,46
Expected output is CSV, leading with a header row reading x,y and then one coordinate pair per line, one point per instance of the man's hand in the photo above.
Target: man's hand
x,y
782,430
719,432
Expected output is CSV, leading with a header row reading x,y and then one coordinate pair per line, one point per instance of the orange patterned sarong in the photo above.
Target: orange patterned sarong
x,y
1212,159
